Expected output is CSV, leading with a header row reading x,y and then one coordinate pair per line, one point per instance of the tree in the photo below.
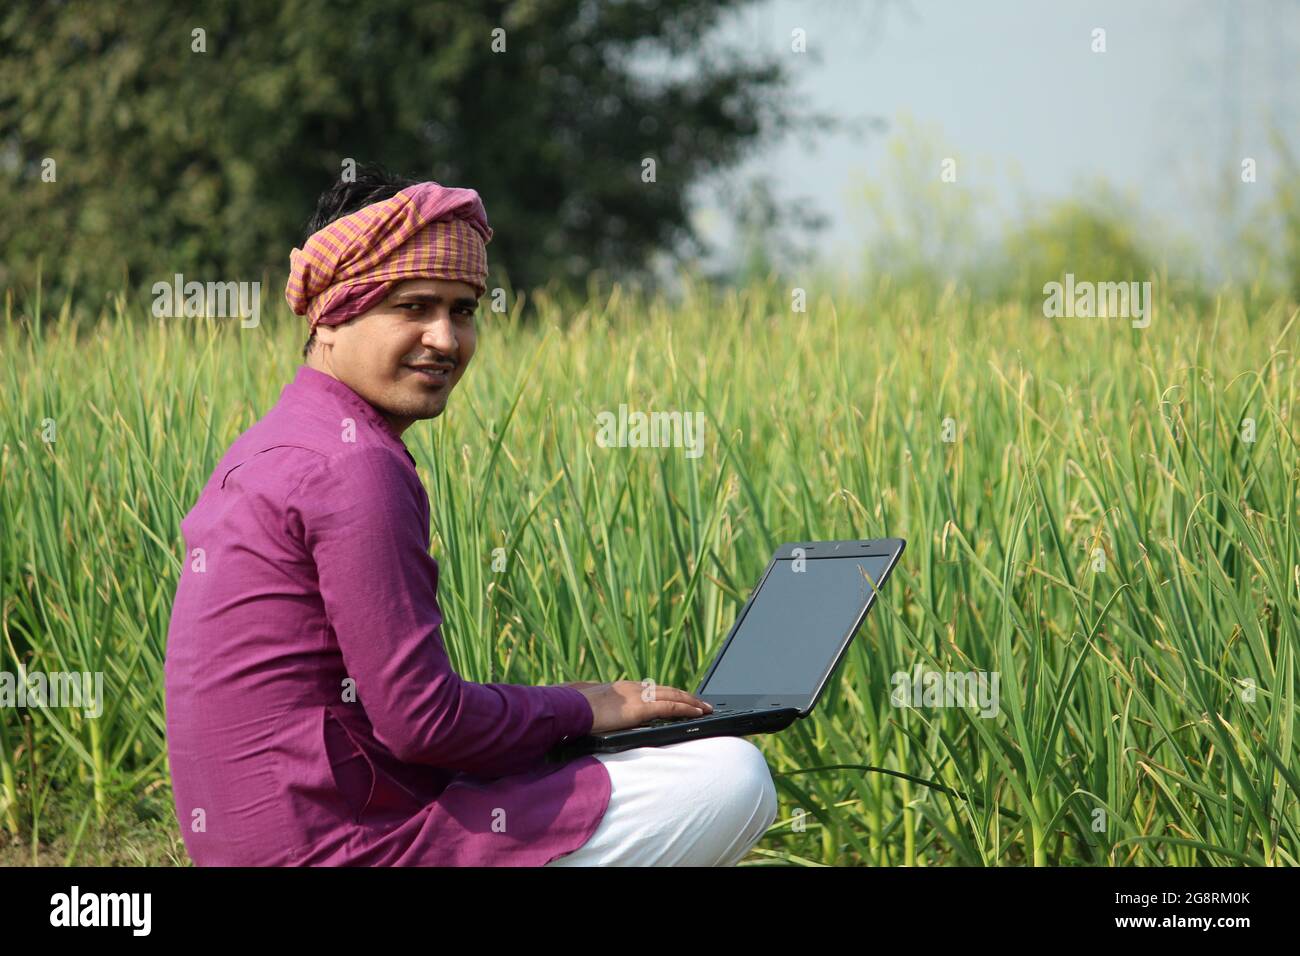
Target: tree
x,y
194,137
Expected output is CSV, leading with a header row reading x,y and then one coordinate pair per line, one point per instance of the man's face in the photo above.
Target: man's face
x,y
406,354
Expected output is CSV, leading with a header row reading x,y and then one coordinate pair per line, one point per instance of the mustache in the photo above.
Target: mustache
x,y
432,360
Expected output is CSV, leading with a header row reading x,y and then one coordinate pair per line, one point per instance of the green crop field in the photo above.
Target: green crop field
x,y
1105,517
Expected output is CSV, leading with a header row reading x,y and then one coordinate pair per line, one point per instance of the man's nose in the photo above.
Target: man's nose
x,y
440,335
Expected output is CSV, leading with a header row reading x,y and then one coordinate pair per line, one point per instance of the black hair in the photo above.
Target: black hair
x,y
370,183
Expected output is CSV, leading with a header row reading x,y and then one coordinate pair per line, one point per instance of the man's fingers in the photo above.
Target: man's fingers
x,y
674,702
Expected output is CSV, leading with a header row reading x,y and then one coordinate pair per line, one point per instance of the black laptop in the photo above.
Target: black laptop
x,y
783,649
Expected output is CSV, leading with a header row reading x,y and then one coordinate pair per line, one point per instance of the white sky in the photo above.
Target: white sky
x,y
1012,88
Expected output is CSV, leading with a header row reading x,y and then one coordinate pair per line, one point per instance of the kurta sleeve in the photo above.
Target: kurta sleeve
x,y
360,518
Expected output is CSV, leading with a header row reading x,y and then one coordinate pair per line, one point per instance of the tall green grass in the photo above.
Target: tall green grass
x,y
1148,708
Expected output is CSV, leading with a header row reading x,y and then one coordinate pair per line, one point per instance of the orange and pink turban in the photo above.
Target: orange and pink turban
x,y
426,231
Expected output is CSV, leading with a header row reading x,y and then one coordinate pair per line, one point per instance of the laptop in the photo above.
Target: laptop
x,y
787,642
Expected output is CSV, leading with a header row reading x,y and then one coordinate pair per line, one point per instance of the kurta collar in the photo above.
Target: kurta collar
x,y
309,384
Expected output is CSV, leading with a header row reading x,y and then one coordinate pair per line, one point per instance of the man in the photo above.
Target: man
x,y
313,716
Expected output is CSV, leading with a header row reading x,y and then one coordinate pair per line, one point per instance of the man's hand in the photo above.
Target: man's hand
x,y
630,703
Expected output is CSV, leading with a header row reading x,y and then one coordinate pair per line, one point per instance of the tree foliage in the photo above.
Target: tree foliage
x,y
167,159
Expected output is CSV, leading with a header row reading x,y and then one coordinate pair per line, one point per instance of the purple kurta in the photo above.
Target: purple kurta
x,y
307,564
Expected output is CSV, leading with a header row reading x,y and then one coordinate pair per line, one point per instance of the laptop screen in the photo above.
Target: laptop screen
x,y
795,627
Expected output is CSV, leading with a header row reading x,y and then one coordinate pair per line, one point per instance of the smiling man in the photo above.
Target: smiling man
x,y
400,379
313,715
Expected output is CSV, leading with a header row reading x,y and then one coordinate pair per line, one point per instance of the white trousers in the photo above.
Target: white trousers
x,y
696,803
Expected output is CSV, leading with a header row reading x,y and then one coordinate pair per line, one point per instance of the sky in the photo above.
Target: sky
x,y
1014,91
